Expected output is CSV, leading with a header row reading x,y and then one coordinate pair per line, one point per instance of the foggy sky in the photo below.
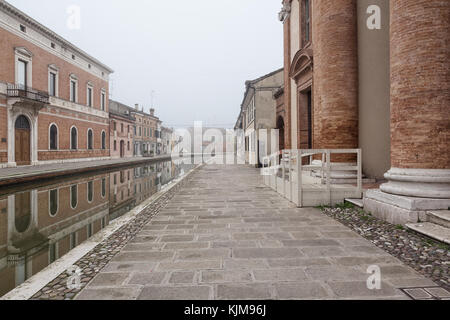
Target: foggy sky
x,y
195,54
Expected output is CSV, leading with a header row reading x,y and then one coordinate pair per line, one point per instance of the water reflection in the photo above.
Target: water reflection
x,y
40,225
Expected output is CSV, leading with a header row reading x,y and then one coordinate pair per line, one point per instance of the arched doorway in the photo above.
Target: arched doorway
x,y
22,141
280,127
122,148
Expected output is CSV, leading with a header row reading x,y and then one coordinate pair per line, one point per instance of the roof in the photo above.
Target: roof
x,y
46,31
250,83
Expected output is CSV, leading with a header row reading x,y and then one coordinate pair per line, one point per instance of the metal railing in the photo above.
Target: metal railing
x,y
287,175
19,91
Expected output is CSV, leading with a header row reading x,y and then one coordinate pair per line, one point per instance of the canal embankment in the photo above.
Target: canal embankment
x,y
25,174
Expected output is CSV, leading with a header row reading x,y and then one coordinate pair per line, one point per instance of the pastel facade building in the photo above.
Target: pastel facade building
x,y
147,132
121,130
258,111
53,96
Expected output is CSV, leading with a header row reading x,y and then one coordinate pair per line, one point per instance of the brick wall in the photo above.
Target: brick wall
x,y
41,60
335,74
420,84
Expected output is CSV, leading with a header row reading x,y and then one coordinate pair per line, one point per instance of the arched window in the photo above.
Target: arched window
x,y
74,138
115,145
53,137
90,137
128,146
103,140
53,202
74,196
90,191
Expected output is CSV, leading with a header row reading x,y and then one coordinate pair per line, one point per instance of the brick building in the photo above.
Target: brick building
x,y
121,130
374,75
53,96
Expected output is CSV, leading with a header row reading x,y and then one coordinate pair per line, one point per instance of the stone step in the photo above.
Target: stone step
x,y
431,230
439,217
356,202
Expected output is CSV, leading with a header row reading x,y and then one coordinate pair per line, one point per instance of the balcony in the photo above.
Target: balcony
x,y
27,94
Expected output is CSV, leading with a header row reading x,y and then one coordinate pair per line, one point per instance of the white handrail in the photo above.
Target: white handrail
x,y
271,167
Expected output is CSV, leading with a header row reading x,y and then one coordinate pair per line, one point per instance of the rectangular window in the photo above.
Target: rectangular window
x,y
73,91
307,22
22,74
89,97
52,84
103,102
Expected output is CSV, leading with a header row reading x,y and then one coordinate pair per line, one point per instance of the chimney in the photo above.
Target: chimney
x,y
137,106
152,112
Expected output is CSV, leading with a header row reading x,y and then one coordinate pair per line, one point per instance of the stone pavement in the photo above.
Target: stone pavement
x,y
10,176
227,236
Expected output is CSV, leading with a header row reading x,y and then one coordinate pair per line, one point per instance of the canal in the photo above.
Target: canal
x,y
40,223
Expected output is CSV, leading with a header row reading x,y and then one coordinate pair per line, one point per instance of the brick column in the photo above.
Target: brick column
x,y
335,75
420,99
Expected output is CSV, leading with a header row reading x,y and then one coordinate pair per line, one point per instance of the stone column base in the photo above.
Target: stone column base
x,y
398,209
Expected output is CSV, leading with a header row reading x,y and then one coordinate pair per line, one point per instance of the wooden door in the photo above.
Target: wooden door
x,y
22,145
22,141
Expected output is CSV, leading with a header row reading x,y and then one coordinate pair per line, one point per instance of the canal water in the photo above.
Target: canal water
x,y
41,223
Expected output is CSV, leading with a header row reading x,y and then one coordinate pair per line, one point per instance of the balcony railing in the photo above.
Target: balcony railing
x,y
19,91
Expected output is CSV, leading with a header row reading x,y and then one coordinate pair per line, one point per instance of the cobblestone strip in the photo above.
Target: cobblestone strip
x,y
92,263
428,257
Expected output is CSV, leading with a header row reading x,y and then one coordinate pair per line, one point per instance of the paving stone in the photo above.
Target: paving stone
x,y
147,278
226,276
244,291
182,277
214,237
297,262
190,265
310,243
250,253
333,273
324,252
142,246
233,244
340,235
411,282
176,293
180,226
305,235
109,280
109,294
186,245
143,256
358,289
129,267
248,236
364,261
203,254
293,274
230,264
177,238
304,290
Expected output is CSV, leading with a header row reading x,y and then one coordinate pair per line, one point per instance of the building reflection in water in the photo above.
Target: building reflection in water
x,y
40,225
